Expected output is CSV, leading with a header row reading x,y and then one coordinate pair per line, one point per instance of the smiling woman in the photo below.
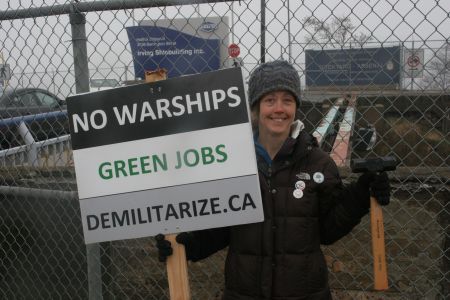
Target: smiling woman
x,y
276,115
301,213
274,91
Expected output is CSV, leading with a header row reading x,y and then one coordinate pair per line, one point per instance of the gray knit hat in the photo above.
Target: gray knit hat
x,y
273,76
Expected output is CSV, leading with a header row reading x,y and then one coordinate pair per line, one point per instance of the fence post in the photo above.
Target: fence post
x,y
79,44
32,155
80,61
263,31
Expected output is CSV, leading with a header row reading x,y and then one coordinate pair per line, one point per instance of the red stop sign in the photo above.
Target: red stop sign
x,y
233,50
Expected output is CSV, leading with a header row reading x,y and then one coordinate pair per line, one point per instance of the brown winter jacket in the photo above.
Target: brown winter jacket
x,y
280,258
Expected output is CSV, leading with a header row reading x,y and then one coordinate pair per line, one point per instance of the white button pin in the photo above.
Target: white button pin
x,y
298,194
318,177
300,185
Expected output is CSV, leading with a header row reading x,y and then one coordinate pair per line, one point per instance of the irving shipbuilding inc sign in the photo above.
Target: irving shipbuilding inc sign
x,y
164,157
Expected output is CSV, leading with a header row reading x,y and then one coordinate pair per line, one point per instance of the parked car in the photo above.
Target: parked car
x,y
43,113
28,101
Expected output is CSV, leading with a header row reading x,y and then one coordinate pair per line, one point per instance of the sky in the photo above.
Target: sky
x,y
39,50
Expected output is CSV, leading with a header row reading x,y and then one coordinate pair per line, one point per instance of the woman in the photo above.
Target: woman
x,y
305,203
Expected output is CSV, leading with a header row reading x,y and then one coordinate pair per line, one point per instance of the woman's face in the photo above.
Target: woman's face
x,y
276,113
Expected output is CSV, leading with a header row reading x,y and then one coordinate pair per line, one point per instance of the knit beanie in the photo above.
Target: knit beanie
x,y
273,76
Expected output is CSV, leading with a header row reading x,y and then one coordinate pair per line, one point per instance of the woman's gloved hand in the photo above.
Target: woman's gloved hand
x,y
376,185
165,248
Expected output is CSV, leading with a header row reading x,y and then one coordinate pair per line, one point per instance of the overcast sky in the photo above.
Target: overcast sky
x,y
39,50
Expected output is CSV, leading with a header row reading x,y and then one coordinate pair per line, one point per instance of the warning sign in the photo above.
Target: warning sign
x,y
234,50
413,63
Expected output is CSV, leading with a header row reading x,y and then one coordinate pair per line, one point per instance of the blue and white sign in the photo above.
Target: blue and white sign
x,y
179,53
208,26
366,66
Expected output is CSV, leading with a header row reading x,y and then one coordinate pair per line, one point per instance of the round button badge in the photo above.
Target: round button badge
x,y
300,185
318,177
298,194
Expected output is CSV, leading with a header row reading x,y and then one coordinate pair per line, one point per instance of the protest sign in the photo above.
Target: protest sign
x,y
164,157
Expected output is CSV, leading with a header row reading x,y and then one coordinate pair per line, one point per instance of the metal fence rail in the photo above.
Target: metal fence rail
x,y
401,91
47,153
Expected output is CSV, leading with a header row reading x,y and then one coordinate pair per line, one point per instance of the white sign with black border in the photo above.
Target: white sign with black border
x,y
413,63
165,157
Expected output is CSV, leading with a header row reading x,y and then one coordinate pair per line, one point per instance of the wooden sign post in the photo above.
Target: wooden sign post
x,y
177,274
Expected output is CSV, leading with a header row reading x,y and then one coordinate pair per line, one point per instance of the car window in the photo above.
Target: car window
x,y
26,100
46,100
11,101
5,101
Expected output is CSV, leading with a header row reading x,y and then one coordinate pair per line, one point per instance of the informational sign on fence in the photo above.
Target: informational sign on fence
x,y
181,46
353,67
164,157
413,63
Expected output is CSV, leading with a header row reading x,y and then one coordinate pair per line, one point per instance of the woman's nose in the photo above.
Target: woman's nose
x,y
278,105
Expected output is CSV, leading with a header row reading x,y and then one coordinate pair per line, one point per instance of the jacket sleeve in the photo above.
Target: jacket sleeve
x,y
341,207
207,242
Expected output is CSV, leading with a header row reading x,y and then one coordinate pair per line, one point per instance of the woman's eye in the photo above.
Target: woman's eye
x,y
289,100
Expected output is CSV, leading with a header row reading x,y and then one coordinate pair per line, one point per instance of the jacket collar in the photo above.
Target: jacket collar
x,y
296,128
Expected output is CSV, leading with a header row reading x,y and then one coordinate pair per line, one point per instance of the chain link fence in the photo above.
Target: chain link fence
x,y
385,62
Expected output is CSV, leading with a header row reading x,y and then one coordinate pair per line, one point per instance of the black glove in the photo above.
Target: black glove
x,y
377,185
165,248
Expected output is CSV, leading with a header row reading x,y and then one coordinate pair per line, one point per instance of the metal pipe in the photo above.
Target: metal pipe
x,y
27,137
38,193
289,32
93,6
446,65
232,23
412,77
263,31
80,60
79,44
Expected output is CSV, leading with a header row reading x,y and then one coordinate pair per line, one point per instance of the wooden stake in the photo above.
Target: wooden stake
x,y
378,247
177,271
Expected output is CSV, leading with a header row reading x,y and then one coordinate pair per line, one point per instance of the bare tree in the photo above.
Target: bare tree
x,y
437,70
337,32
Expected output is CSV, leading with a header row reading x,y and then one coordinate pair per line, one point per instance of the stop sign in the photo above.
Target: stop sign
x,y
233,50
